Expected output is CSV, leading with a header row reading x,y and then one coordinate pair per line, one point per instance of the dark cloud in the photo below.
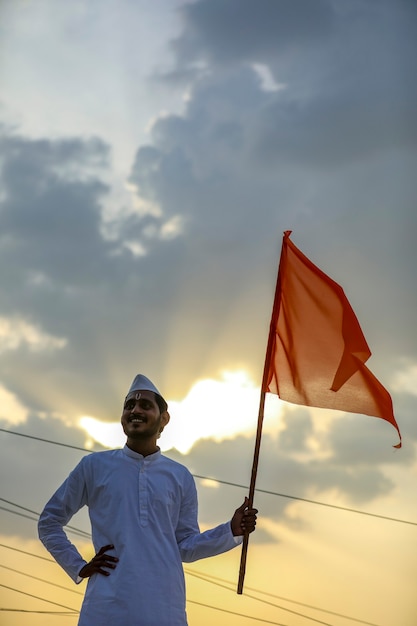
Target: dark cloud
x,y
404,405
50,215
358,440
213,167
355,471
237,31
60,274
349,73
331,156
33,470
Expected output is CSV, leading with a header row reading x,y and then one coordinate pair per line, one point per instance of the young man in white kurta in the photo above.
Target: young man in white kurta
x,y
143,512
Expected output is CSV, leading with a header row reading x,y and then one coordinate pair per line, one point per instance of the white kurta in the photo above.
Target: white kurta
x,y
147,508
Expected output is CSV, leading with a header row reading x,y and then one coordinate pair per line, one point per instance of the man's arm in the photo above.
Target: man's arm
x,y
65,502
194,545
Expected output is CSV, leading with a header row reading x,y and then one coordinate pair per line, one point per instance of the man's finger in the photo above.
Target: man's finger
x,y
104,572
243,506
105,549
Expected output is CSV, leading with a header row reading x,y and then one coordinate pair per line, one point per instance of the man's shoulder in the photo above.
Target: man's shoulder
x,y
174,465
102,456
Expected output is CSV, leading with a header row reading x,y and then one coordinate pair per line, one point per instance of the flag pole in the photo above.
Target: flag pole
x,y
245,544
269,352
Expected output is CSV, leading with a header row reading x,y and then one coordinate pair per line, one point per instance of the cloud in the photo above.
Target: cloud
x,y
405,379
350,92
213,166
179,282
347,462
17,332
34,470
189,267
213,409
212,30
349,481
62,278
13,411
50,215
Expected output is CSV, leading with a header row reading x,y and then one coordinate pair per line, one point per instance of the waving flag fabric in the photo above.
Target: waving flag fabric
x,y
316,350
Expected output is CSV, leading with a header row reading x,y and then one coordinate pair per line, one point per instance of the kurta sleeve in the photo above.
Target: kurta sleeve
x,y
66,501
193,544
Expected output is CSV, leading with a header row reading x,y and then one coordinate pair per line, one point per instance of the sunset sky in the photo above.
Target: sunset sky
x,y
152,154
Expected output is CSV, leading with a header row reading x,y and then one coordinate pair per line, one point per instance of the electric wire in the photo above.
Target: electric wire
x,y
203,577
74,530
207,578
258,619
42,580
276,606
75,612
3,508
59,613
231,484
210,578
80,533
55,443
37,556
31,595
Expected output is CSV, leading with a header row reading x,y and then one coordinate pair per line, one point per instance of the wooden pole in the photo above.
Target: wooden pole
x,y
269,352
251,491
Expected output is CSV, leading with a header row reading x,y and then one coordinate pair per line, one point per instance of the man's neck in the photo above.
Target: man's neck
x,y
144,447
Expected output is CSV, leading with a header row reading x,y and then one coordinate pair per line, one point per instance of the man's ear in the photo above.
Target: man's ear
x,y
165,417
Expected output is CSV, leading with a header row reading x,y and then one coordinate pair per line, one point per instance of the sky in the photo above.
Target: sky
x,y
152,154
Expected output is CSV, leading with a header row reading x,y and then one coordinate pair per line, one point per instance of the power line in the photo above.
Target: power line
x,y
42,580
258,619
37,556
207,577
31,595
276,606
80,533
19,506
74,612
3,508
84,534
332,506
72,529
202,577
63,613
225,482
55,443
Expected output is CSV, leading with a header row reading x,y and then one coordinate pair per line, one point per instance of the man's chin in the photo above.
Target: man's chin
x,y
138,433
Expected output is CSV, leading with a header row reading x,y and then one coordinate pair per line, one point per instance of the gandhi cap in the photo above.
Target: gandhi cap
x,y
142,383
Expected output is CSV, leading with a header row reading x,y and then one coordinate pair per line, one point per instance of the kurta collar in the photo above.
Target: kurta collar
x,y
139,457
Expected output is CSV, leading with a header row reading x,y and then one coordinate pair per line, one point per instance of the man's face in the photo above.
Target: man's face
x,y
141,418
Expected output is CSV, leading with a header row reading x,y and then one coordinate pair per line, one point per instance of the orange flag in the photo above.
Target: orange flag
x,y
316,350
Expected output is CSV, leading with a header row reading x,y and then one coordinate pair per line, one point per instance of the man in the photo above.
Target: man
x,y
143,512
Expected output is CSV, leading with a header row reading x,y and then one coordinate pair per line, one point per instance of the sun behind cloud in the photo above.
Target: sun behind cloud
x,y
212,409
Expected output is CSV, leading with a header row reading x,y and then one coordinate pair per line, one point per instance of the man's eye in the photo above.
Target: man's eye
x,y
129,405
145,405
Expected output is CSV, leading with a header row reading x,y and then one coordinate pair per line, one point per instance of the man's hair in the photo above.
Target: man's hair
x,y
161,403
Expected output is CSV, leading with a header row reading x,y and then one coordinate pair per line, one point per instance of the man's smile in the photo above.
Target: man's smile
x,y
136,420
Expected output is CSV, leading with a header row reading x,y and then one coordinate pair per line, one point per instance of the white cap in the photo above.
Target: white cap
x,y
141,383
